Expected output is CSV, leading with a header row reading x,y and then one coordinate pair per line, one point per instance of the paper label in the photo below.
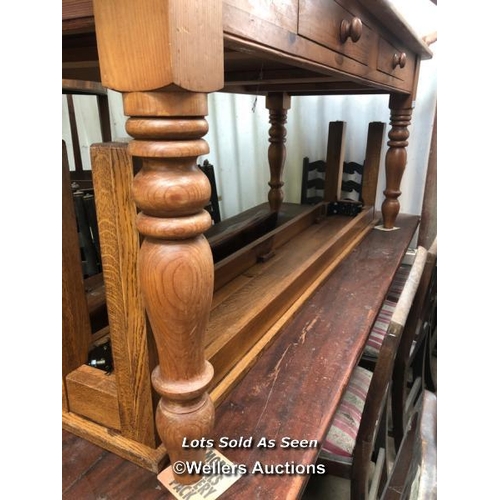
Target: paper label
x,y
210,486
382,228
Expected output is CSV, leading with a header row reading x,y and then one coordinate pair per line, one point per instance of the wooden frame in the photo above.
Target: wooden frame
x,y
294,388
413,358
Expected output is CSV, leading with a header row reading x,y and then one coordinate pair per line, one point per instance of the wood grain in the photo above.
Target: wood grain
x,y
77,456
321,20
283,14
114,442
334,160
76,333
72,9
152,47
82,87
243,259
374,142
314,355
92,394
241,320
156,43
222,390
253,34
175,262
274,27
133,349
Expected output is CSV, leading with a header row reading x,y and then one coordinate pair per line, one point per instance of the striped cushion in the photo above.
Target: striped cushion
x,y
398,282
341,436
379,330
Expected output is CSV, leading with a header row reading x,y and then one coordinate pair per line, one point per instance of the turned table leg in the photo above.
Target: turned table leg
x,y
165,56
278,104
395,160
175,260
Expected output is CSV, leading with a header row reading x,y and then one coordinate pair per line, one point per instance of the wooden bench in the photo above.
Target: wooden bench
x,y
294,388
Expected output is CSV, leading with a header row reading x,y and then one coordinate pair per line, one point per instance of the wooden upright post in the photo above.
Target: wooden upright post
x,y
278,103
165,55
427,231
374,140
76,331
334,160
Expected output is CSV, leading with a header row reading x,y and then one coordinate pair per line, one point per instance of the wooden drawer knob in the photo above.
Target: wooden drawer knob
x,y
351,29
399,60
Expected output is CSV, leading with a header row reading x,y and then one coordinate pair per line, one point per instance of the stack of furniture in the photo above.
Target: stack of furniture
x,y
320,178
414,474
361,417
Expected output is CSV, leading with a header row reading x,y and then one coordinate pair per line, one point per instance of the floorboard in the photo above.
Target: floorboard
x,y
89,472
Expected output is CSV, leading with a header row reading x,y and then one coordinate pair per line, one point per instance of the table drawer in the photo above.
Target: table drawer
x,y
329,24
395,62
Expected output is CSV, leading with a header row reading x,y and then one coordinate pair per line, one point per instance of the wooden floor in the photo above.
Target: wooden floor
x,y
89,472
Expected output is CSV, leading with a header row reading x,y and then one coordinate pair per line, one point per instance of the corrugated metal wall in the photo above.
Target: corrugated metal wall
x,y
238,138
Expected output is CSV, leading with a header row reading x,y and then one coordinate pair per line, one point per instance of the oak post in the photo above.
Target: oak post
x,y
76,331
395,161
335,151
175,261
165,56
278,103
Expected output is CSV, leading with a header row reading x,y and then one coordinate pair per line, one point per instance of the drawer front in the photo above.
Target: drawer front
x,y
327,23
392,61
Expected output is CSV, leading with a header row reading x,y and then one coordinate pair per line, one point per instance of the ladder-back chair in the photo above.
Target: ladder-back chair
x,y
354,439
